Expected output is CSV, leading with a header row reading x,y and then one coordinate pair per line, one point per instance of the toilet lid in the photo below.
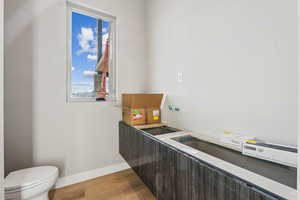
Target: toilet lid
x,y
29,177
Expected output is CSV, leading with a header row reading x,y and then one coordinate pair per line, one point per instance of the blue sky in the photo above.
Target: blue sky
x,y
84,50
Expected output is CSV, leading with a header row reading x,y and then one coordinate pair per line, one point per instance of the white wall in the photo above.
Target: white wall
x,y
1,105
40,127
238,60
298,64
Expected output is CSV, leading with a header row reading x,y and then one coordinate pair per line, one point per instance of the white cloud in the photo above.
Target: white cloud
x,y
104,38
92,57
89,73
73,68
85,36
87,40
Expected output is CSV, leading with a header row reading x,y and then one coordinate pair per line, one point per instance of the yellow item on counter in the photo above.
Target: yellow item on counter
x,y
251,141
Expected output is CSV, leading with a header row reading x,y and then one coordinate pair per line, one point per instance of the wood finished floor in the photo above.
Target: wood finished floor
x,y
124,185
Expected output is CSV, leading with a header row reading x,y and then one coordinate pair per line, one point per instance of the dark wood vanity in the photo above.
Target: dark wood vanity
x,y
172,174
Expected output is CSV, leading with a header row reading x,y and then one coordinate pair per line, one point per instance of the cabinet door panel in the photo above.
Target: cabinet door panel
x,y
197,181
221,186
165,173
190,178
134,151
183,177
125,135
214,184
235,189
147,162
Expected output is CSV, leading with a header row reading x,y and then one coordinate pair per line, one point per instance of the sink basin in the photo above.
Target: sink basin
x,y
276,172
161,130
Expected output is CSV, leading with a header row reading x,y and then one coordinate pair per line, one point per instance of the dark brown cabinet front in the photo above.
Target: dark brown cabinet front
x,y
174,175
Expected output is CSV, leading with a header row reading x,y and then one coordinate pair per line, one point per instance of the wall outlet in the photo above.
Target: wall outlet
x,y
179,77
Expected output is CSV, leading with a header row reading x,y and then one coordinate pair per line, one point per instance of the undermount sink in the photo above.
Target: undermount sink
x,y
161,130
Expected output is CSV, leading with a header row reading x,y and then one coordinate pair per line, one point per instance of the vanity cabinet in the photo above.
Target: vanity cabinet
x,y
174,175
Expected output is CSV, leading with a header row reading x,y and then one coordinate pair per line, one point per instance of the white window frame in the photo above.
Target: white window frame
x,y
82,9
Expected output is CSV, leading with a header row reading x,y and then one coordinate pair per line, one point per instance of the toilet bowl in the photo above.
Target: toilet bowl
x,y
30,184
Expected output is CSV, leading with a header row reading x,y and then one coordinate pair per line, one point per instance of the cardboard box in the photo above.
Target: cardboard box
x,y
139,109
134,116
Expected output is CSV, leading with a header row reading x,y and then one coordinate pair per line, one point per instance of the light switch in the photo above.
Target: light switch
x,y
179,77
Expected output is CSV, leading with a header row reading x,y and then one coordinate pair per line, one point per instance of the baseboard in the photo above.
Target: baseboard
x,y
84,176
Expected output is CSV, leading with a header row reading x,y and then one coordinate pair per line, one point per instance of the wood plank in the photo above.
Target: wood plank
x,y
124,185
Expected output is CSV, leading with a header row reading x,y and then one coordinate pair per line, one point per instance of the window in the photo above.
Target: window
x,y
91,55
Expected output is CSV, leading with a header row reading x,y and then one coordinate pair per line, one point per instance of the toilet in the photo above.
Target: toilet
x,y
30,184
